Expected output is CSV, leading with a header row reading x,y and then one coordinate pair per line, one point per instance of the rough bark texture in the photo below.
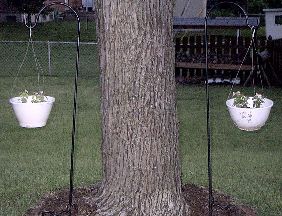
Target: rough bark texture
x,y
140,134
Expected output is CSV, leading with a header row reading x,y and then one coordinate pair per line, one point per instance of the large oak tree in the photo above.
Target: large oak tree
x,y
140,131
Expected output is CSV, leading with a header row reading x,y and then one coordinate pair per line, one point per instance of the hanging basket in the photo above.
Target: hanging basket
x,y
249,119
32,115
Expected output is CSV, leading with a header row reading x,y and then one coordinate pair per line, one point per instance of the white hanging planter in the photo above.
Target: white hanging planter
x,y
32,115
249,119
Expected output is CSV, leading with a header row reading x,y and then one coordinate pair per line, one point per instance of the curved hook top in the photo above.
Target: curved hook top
x,y
232,3
46,6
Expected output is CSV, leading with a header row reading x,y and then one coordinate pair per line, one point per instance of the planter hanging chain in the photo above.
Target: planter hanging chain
x,y
74,112
38,67
242,62
254,53
211,198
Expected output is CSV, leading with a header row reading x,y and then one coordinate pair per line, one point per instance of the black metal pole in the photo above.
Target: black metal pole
x,y
211,198
74,113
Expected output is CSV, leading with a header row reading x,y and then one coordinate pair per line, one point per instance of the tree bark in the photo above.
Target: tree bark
x,y
139,132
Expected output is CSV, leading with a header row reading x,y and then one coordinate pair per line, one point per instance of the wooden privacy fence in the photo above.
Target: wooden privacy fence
x,y
275,46
225,57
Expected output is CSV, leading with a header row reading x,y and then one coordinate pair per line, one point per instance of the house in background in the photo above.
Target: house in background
x,y
8,14
75,4
79,5
273,23
88,5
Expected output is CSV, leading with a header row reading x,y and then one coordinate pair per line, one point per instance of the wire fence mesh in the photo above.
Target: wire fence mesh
x,y
55,58
30,65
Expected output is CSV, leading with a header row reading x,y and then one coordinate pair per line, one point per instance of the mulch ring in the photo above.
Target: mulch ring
x,y
224,205
55,204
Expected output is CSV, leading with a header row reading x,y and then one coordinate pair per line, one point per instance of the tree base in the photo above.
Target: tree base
x,y
196,197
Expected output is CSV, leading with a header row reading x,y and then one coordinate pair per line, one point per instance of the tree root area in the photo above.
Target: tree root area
x,y
56,204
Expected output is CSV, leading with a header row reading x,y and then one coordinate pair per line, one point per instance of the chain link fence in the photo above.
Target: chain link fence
x,y
21,58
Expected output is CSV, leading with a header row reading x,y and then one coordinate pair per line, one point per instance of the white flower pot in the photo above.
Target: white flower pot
x,y
32,115
249,119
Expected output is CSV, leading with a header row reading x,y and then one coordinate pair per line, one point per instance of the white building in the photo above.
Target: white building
x,y
273,23
88,5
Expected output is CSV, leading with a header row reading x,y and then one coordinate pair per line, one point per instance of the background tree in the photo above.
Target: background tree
x,y
256,6
76,4
139,126
252,6
274,3
27,6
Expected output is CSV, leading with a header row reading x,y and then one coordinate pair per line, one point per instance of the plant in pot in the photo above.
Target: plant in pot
x,y
32,110
249,113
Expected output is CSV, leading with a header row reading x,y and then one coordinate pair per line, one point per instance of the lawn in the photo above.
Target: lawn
x,y
33,162
246,165
52,31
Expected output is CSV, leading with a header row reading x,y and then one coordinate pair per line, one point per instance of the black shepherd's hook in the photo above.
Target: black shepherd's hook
x,y
74,113
211,198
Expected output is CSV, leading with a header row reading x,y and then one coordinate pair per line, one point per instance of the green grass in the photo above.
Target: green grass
x,y
35,161
52,31
246,165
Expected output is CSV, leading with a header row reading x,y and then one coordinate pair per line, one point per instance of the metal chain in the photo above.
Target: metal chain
x,y
38,66
237,74
19,69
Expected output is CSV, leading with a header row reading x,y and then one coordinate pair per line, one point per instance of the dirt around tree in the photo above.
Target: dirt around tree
x,y
197,197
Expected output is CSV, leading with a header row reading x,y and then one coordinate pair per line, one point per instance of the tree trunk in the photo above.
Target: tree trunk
x,y
140,134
